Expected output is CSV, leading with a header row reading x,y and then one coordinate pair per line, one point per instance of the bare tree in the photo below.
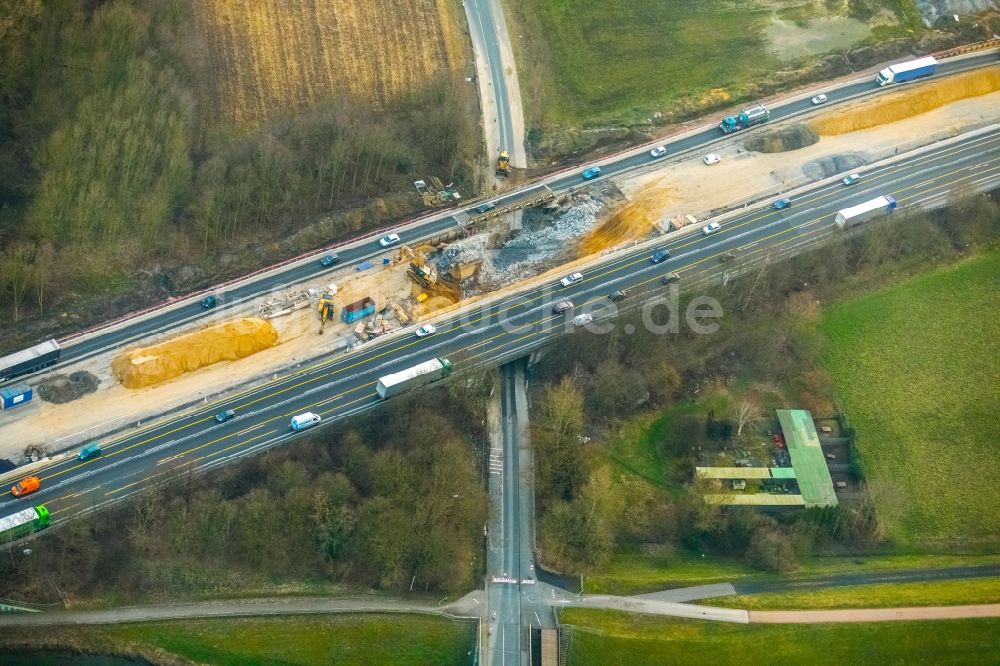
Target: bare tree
x,y
748,409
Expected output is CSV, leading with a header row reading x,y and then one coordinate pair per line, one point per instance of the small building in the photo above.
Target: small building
x,y
809,469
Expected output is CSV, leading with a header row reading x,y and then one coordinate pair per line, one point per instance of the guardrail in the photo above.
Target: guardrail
x,y
215,288
681,129
968,48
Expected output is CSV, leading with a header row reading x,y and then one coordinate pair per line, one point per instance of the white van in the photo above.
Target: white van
x,y
303,421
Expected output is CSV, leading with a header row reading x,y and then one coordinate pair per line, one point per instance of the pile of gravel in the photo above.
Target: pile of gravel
x,y
61,389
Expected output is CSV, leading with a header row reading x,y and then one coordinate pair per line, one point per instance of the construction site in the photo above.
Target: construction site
x,y
407,286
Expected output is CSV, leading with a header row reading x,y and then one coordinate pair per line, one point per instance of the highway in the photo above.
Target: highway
x,y
493,332
350,253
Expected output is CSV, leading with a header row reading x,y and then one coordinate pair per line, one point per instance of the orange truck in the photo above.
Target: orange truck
x,y
26,485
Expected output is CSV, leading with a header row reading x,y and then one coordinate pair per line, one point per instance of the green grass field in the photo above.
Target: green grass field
x,y
634,572
606,638
600,62
917,370
300,641
888,595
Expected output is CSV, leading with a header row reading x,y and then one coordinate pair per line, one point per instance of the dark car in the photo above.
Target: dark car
x,y
209,302
670,277
222,417
781,204
617,296
660,255
329,260
562,306
486,207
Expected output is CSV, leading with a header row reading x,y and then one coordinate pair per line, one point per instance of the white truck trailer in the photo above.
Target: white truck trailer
x,y
855,215
418,375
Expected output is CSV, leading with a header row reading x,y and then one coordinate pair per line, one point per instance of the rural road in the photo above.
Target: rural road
x,y
469,605
874,614
464,607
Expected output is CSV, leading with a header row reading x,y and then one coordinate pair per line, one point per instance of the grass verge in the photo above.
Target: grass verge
x,y
917,370
611,637
300,640
633,571
883,595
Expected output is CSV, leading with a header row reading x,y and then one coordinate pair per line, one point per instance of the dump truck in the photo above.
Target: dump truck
x,y
855,215
907,71
755,115
503,164
29,360
418,375
357,310
23,522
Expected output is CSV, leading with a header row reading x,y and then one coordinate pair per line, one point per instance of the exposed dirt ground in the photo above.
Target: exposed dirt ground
x,y
58,426
693,188
272,56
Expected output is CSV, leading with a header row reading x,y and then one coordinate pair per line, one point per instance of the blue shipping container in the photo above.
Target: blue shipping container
x,y
12,396
357,310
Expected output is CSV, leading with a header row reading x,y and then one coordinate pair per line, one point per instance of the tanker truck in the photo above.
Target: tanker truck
x,y
755,115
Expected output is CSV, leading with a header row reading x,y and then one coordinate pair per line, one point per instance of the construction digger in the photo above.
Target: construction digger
x,y
503,164
326,310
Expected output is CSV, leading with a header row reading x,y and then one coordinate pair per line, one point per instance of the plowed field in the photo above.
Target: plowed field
x,y
269,56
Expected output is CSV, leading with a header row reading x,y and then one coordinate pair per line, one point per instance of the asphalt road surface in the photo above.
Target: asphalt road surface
x,y
449,219
493,332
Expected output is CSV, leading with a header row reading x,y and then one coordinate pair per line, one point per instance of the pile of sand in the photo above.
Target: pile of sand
x,y
148,366
909,103
636,220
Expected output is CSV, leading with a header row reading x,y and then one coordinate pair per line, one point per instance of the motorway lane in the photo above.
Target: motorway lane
x,y
451,218
344,385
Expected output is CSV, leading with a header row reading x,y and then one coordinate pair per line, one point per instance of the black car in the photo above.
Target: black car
x,y
616,296
486,207
329,260
209,302
660,255
562,306
222,417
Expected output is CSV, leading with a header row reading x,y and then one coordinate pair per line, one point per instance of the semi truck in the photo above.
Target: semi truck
x,y
855,215
907,71
755,115
23,522
357,310
29,360
418,375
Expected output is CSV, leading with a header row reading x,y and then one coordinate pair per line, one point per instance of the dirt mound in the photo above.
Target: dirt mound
x,y
909,102
783,140
636,220
148,366
831,165
61,389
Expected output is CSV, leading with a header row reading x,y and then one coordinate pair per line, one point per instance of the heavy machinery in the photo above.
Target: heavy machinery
x,y
326,309
503,164
755,115
424,275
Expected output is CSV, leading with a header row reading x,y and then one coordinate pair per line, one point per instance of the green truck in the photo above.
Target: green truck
x,y
23,522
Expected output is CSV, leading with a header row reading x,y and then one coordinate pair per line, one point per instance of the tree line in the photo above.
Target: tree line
x,y
106,153
394,502
591,384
